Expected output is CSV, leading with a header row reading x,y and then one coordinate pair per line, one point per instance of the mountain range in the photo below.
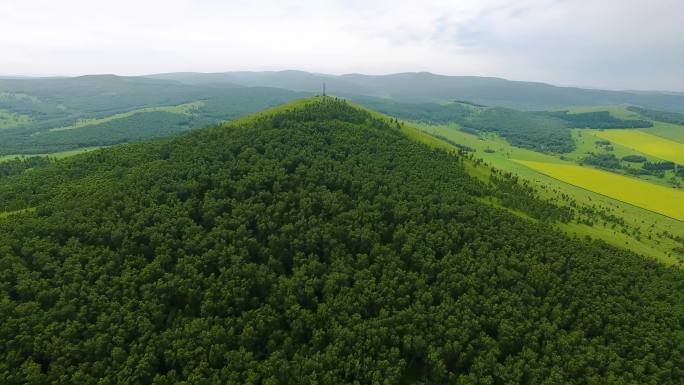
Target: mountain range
x,y
416,87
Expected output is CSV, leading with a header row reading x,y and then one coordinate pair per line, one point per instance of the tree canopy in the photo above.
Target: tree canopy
x,y
316,244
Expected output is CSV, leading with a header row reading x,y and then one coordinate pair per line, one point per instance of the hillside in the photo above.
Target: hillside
x,y
315,243
420,87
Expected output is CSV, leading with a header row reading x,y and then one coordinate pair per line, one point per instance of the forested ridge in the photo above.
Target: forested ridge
x,y
315,244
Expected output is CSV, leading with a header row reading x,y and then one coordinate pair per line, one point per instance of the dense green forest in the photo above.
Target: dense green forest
x,y
662,116
536,131
314,245
523,129
18,165
432,113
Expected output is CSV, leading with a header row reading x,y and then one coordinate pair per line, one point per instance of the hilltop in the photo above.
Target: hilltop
x,y
314,243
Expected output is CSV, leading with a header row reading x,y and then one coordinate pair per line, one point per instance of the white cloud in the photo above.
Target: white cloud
x,y
622,44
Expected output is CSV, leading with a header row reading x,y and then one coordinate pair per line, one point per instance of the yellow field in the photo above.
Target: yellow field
x,y
646,143
659,199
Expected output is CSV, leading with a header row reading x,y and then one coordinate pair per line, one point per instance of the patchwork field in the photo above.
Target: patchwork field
x,y
503,157
659,199
646,143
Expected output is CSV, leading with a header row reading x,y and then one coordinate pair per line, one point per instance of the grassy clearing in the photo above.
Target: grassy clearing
x,y
57,155
655,198
185,109
6,214
10,119
646,143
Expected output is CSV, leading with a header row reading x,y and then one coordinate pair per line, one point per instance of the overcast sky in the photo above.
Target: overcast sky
x,y
618,44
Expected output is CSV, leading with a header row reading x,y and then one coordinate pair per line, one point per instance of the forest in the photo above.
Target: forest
x,y
315,244
597,120
662,116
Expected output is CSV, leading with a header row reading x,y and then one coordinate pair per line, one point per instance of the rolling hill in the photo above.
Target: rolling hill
x,y
314,243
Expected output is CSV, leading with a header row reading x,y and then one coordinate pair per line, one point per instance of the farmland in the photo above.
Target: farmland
x,y
646,143
496,152
633,191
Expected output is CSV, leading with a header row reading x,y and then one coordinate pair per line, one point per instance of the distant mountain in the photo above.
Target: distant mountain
x,y
427,87
291,80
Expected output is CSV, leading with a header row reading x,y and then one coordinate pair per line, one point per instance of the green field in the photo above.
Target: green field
x,y
646,143
636,218
663,200
184,109
667,131
585,141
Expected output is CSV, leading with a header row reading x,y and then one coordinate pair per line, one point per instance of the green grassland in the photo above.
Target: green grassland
x,y
501,155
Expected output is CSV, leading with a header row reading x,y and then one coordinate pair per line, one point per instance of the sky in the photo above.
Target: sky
x,y
614,44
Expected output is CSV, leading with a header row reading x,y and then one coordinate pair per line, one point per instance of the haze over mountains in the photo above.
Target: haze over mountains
x,y
415,87
409,87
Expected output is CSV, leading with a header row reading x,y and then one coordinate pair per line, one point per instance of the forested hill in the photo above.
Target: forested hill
x,y
313,244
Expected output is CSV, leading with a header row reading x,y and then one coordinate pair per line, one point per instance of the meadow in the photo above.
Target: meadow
x,y
659,199
666,130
